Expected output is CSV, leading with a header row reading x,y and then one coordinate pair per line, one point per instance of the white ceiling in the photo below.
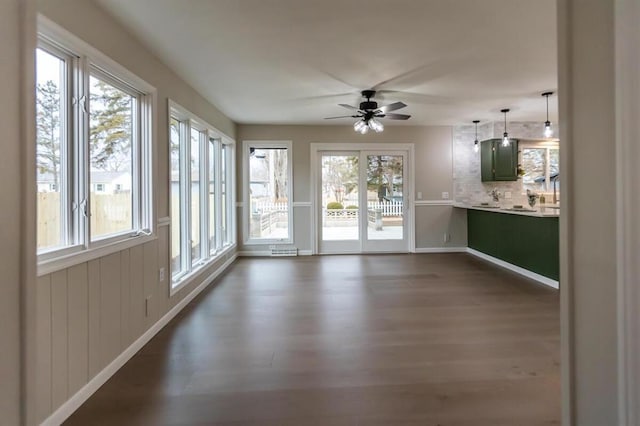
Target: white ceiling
x,y
293,61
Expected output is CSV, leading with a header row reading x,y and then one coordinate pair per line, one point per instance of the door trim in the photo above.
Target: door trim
x,y
627,84
316,148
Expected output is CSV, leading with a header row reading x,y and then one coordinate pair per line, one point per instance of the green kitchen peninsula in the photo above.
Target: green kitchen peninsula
x,y
525,239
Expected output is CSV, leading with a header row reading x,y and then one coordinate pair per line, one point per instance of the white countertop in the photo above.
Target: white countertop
x,y
535,212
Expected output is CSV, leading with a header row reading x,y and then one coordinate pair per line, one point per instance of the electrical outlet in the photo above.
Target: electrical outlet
x,y
147,306
161,274
507,195
419,195
445,195
447,237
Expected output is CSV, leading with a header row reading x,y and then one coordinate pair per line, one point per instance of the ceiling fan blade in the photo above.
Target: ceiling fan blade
x,y
348,106
343,116
393,116
391,107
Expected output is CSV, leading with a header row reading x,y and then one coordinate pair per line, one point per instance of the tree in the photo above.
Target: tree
x,y
110,132
279,171
48,129
381,171
339,175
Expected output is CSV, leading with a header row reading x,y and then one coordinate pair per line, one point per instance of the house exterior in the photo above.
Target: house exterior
x,y
101,182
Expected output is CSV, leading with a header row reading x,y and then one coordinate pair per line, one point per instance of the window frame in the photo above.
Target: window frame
x,y
210,139
86,59
246,149
547,146
68,233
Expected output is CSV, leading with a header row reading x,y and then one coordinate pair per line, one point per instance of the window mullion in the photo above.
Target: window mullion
x,y
547,168
219,212
81,143
66,151
204,194
185,185
136,166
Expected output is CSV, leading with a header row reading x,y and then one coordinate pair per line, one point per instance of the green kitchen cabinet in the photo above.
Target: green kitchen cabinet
x,y
497,162
529,242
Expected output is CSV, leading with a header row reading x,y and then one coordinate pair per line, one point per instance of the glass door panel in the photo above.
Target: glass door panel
x,y
384,228
361,202
339,202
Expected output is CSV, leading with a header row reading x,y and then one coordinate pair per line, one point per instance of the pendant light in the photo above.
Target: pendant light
x,y
548,131
505,135
476,145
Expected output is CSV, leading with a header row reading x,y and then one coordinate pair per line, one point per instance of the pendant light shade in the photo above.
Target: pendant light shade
x,y
476,144
505,135
548,130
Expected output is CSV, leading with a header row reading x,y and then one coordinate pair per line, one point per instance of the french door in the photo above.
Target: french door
x,y
362,201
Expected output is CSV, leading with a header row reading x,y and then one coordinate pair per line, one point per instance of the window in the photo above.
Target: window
x,y
227,207
53,122
200,168
540,163
93,149
267,190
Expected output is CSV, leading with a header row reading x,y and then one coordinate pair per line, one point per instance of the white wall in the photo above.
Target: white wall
x,y
588,216
433,175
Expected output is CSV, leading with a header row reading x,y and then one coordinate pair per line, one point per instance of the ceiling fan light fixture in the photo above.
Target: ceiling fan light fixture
x,y
476,144
548,130
358,125
505,135
375,125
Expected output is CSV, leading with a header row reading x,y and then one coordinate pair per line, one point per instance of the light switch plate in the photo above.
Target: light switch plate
x,y
419,195
507,195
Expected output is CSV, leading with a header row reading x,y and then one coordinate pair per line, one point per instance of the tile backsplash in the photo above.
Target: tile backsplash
x,y
468,187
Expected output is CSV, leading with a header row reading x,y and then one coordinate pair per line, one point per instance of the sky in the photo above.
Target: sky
x,y
48,67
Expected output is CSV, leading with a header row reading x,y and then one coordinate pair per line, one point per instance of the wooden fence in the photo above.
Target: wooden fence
x,y
393,208
110,213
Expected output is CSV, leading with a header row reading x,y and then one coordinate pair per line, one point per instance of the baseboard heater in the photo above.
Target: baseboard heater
x,y
279,251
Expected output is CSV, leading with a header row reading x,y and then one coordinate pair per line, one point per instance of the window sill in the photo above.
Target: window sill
x,y
189,278
66,261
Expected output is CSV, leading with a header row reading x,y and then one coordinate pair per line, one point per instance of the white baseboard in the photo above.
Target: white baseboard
x,y
256,253
73,403
524,272
440,250
267,253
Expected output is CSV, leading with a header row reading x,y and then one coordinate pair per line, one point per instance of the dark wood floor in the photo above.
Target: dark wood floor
x,y
425,339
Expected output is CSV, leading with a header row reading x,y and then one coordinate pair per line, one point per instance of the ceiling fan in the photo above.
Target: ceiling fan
x,y
368,112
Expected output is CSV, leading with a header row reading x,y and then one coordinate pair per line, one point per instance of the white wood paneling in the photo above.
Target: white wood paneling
x,y
125,299
59,341
163,262
94,317
43,360
136,316
78,309
90,314
150,268
109,308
